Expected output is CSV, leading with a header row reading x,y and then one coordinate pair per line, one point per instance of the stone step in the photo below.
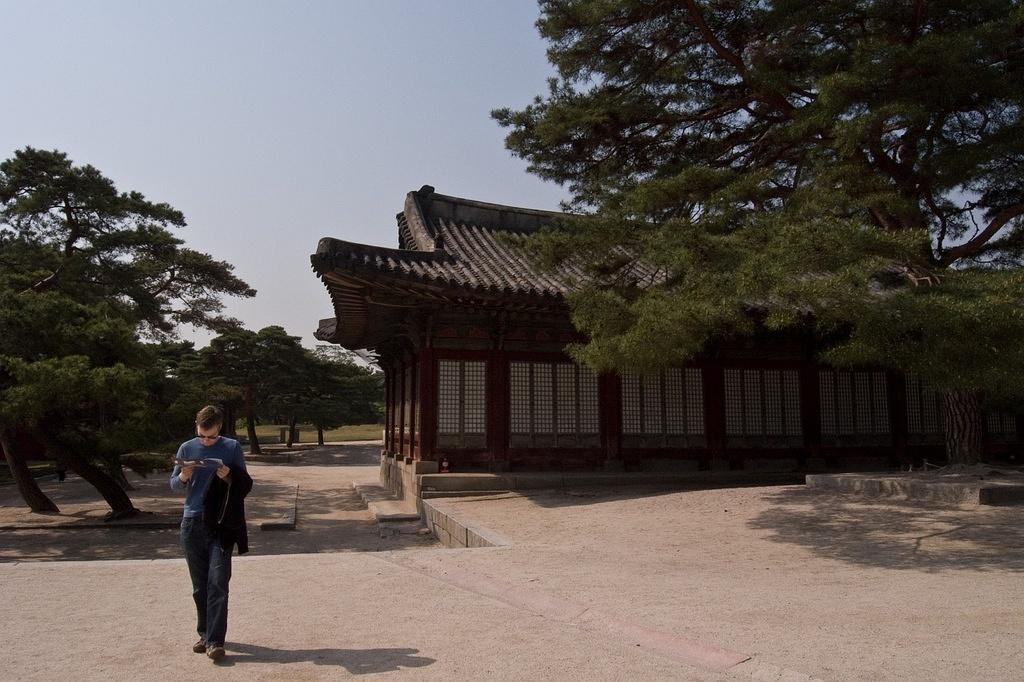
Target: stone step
x,y
286,521
434,494
372,492
383,505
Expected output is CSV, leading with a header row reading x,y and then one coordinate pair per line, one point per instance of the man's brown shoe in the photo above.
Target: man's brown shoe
x,y
199,647
215,652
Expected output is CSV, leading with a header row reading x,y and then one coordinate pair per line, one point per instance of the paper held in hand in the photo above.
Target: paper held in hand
x,y
207,463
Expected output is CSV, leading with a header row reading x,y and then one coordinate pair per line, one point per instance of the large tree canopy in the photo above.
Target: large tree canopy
x,y
67,228
853,166
84,270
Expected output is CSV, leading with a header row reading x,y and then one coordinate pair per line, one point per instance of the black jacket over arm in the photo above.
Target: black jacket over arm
x,y
224,509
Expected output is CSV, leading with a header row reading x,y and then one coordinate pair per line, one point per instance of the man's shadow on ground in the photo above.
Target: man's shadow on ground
x,y
356,661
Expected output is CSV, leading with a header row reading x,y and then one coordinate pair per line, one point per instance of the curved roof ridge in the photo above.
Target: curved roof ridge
x,y
329,246
419,223
497,207
424,207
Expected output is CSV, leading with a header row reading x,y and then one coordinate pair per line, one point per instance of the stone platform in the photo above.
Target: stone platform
x,y
998,486
460,484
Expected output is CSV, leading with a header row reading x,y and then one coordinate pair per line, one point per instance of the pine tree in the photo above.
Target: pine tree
x,y
851,167
86,271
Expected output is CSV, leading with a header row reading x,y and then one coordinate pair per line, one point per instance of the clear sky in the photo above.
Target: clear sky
x,y
273,124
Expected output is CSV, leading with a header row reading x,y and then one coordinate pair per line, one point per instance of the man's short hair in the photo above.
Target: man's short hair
x,y
209,417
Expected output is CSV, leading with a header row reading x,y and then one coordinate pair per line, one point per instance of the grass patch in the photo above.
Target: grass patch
x,y
145,463
271,433
37,469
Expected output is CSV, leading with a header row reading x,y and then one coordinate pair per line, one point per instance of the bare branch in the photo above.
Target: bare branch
x,y
974,245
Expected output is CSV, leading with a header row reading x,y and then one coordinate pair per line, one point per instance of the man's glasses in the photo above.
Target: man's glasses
x,y
202,437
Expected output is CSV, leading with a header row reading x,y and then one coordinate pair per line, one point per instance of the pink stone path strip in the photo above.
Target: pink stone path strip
x,y
555,608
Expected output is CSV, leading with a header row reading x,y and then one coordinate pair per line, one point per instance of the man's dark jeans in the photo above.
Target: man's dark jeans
x,y
209,566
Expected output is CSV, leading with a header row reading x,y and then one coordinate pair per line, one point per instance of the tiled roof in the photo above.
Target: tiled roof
x,y
449,249
457,243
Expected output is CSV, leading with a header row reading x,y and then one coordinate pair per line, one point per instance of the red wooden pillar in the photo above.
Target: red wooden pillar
x,y
394,409
414,398
609,392
497,396
389,409
713,378
400,412
428,405
810,411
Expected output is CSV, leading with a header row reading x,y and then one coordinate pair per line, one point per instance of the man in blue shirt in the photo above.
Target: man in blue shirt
x,y
198,460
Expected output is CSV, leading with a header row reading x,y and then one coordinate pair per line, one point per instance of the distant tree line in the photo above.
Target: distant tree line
x,y
267,376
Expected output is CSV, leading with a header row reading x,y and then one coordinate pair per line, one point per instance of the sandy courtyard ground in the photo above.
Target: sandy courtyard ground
x,y
808,584
838,587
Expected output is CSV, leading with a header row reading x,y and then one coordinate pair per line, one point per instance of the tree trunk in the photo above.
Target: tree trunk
x,y
250,425
291,431
963,424
319,435
228,429
116,472
120,504
35,498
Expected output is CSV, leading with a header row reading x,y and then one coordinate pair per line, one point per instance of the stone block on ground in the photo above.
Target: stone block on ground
x,y
384,506
286,519
963,490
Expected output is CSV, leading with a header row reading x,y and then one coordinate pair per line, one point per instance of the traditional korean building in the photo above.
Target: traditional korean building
x,y
470,334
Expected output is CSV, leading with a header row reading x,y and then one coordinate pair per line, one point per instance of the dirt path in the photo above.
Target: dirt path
x,y
330,515
596,585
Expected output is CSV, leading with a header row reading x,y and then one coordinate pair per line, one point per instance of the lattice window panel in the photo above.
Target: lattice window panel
x,y
791,402
670,403
827,399
762,402
461,397
694,401
1001,423
844,402
589,422
859,399
930,419
773,409
862,418
565,388
631,404
543,398
475,397
734,402
753,423
548,399
675,402
651,388
519,376
913,405
880,391
448,399
923,415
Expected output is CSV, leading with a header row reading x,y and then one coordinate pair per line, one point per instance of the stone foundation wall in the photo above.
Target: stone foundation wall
x,y
453,531
400,475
